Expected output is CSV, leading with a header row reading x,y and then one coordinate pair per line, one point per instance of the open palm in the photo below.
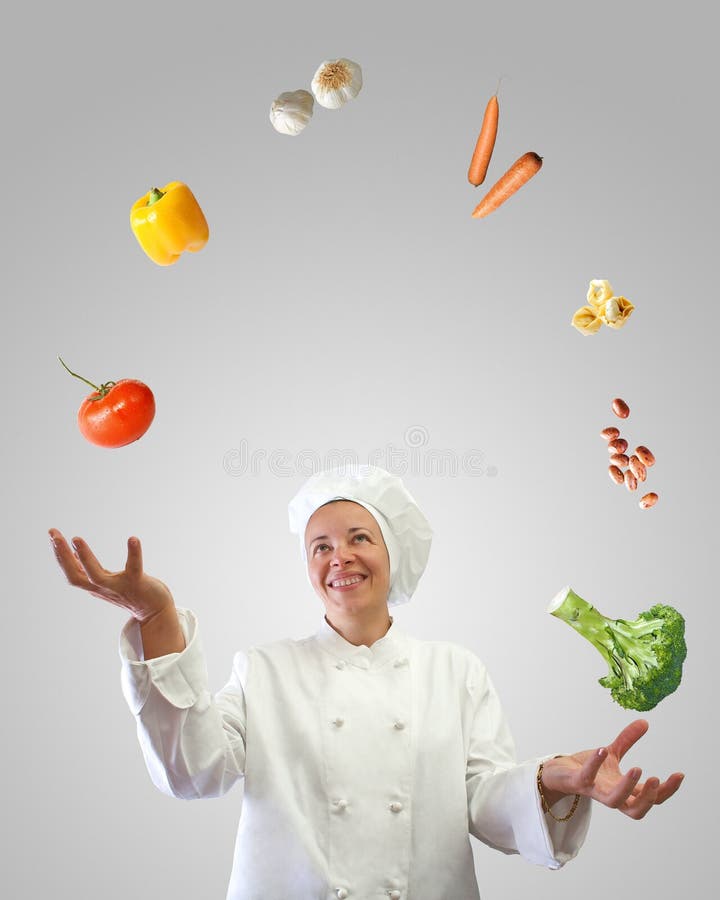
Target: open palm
x,y
597,774
141,595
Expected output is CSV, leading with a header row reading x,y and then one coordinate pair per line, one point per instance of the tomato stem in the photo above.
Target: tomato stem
x,y
102,389
154,195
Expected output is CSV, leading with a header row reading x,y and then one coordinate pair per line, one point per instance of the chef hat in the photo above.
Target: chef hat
x,y
405,530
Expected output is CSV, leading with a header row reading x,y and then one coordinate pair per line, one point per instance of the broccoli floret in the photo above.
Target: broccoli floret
x,y
645,656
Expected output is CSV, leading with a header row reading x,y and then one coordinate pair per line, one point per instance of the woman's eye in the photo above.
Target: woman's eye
x,y
320,548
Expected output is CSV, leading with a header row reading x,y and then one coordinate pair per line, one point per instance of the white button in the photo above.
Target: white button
x,y
394,895
363,664
338,722
399,725
340,664
396,807
341,893
400,662
340,805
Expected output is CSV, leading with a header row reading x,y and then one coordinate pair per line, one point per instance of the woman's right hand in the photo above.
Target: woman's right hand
x,y
144,597
147,599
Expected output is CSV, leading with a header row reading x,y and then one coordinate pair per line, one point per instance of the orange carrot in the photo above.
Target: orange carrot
x,y
521,171
485,143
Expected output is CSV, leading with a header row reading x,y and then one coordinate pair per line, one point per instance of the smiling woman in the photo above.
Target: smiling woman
x,y
349,567
368,756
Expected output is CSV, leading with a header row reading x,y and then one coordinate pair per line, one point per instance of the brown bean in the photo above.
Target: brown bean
x,y
630,480
645,455
616,475
620,459
610,433
648,500
620,408
637,468
619,445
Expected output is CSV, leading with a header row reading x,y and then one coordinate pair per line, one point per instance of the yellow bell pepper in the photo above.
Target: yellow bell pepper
x,y
168,221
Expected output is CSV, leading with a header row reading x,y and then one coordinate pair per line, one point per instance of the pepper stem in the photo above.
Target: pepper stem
x,y
154,195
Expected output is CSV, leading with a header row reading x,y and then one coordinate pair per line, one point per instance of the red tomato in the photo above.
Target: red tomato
x,y
120,416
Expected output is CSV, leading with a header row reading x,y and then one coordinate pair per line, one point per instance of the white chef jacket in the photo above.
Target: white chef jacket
x,y
364,767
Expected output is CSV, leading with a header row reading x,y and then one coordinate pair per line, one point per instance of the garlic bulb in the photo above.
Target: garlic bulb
x,y
291,112
336,82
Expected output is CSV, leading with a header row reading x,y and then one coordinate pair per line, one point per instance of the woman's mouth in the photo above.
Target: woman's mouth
x,y
348,583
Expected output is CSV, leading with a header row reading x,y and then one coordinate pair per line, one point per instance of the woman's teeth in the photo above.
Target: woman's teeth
x,y
345,581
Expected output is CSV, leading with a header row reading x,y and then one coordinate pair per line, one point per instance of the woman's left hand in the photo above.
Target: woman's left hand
x,y
596,774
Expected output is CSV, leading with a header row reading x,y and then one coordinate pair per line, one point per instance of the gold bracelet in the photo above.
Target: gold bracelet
x,y
544,802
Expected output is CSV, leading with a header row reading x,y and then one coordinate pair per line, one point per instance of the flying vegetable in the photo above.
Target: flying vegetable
x,y
117,413
168,221
645,657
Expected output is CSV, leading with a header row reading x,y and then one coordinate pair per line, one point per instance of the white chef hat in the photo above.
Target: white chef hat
x,y
405,530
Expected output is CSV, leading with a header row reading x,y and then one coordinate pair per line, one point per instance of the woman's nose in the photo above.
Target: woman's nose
x,y
341,555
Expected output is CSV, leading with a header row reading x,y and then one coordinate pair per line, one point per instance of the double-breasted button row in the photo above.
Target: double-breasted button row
x,y
338,722
341,805
365,663
342,893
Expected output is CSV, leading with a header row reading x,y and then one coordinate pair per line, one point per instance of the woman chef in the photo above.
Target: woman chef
x,y
367,755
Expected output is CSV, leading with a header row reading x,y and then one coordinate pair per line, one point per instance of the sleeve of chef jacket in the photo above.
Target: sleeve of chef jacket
x,y
504,807
193,743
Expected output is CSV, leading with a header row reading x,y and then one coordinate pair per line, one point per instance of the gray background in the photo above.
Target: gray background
x,y
347,300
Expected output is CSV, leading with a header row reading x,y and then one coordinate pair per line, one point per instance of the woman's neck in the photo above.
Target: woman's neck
x,y
361,632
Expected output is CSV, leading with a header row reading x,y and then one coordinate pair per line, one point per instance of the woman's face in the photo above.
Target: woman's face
x,y
348,561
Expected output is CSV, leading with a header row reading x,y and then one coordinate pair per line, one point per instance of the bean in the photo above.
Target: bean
x,y
648,500
630,480
620,408
637,468
616,475
610,433
619,445
646,457
620,459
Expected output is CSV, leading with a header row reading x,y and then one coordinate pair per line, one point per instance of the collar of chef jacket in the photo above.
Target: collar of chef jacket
x,y
389,648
